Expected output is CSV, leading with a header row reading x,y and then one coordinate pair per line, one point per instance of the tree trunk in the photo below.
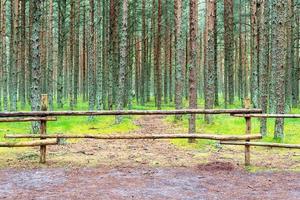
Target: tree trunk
x,y
91,60
179,54
76,55
228,49
50,57
13,57
210,58
278,60
22,58
157,58
123,53
254,54
61,47
216,80
36,66
99,71
263,9
4,57
192,65
71,54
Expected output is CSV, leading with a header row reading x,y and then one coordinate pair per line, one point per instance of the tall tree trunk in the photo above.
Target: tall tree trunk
x,y
99,70
84,57
263,22
50,56
171,67
216,80
13,56
290,56
228,49
179,54
4,57
22,58
112,35
210,58
105,44
144,56
278,59
61,47
36,66
192,65
157,58
254,55
71,54
76,55
91,60
123,53
241,57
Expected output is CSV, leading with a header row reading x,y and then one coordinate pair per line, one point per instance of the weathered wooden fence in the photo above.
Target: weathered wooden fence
x,y
43,116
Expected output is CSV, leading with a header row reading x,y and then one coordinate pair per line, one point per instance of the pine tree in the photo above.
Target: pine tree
x,y
192,65
210,57
123,53
36,65
61,49
279,48
178,55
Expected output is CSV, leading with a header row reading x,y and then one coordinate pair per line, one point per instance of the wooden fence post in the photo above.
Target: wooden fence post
x,y
248,131
43,127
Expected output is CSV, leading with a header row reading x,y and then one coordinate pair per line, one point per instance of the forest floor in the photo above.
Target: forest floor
x,y
150,169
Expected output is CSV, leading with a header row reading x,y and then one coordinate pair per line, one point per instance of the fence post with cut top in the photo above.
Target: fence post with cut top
x,y
43,127
248,131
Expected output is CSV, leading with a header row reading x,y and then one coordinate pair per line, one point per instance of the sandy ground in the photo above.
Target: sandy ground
x,y
143,169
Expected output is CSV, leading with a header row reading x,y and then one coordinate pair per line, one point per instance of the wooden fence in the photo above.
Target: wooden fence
x,y
43,116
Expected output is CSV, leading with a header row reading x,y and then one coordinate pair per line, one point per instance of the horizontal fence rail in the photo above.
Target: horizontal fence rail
x,y
30,143
268,115
27,119
262,144
152,136
129,112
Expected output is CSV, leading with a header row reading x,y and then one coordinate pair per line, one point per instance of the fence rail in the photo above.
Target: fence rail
x,y
268,115
129,112
152,136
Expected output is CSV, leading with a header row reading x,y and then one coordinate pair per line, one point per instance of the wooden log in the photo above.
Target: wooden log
x,y
29,144
268,115
43,128
262,144
28,119
129,112
154,136
248,132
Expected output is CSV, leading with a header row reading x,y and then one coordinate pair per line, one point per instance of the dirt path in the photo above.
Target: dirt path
x,y
146,169
214,181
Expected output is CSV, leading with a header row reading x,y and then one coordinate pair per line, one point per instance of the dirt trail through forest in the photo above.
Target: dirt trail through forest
x,y
143,169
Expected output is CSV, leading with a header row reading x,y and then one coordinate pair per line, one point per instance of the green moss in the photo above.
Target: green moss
x,y
73,125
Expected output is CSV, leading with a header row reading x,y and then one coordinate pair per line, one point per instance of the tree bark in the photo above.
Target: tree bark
x,y
123,53
179,53
228,49
36,65
210,57
193,65
279,48
61,47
